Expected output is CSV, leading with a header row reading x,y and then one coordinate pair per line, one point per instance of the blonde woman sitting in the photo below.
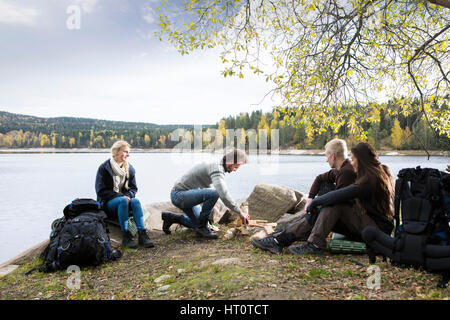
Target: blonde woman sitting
x,y
116,190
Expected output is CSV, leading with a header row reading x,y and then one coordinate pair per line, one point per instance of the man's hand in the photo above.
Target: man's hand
x,y
245,217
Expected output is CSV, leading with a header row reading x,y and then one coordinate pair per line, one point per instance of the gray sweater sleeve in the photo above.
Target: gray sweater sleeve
x,y
218,181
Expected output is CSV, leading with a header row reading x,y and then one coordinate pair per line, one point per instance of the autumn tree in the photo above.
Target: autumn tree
x,y
406,137
44,140
220,139
162,141
328,60
397,135
264,126
147,140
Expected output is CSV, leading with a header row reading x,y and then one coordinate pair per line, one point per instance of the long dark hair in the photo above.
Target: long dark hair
x,y
377,176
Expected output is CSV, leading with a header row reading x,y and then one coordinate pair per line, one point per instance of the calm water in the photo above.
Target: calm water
x,y
35,188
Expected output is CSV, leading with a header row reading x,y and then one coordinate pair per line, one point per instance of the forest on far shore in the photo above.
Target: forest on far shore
x,y
391,132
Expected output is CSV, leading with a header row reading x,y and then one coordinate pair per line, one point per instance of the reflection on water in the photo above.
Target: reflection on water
x,y
35,188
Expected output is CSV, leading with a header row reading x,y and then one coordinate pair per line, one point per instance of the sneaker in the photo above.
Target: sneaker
x,y
306,248
268,243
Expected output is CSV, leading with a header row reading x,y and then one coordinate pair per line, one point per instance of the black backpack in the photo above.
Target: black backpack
x,y
80,205
422,223
79,238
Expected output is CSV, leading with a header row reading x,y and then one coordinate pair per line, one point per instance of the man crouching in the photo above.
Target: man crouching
x,y
204,184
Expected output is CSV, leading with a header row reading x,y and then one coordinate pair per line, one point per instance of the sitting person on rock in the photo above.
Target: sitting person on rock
x,y
116,190
341,175
194,188
371,204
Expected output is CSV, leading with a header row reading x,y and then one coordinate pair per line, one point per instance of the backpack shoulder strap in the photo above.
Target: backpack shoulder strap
x,y
435,188
397,198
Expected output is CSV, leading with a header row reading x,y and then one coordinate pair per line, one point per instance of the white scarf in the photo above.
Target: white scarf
x,y
120,175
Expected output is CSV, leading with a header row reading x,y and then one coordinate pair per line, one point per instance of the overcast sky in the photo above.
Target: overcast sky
x,y
112,68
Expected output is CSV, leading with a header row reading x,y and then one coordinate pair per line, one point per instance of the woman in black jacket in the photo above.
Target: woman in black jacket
x,y
116,189
367,202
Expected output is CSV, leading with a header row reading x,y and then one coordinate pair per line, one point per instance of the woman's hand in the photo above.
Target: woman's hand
x,y
128,198
308,202
310,207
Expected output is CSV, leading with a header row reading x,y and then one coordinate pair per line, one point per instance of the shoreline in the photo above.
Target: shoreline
x,y
281,152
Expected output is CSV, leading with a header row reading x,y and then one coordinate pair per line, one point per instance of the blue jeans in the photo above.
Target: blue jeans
x,y
189,201
121,207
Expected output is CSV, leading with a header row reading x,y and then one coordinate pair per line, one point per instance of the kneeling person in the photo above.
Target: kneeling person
x,y
194,188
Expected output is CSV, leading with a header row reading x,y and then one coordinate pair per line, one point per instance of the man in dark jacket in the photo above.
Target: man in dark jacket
x,y
341,175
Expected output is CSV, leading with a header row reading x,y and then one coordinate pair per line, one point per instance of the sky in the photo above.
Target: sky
x,y
112,67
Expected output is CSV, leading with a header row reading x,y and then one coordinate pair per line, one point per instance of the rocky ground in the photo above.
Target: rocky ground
x,y
182,266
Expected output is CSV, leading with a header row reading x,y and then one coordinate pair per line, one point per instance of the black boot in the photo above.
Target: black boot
x,y
127,240
169,218
203,231
144,239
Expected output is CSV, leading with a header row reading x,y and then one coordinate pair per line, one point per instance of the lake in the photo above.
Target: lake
x,y
35,187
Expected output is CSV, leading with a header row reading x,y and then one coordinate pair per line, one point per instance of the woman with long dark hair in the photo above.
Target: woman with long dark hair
x,y
367,202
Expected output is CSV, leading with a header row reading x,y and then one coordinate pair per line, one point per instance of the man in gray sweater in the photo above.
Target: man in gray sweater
x,y
204,184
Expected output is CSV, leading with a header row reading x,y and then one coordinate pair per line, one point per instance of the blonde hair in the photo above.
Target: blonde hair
x,y
338,147
117,146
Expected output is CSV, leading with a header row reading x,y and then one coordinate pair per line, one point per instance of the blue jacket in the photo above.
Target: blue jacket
x,y
104,184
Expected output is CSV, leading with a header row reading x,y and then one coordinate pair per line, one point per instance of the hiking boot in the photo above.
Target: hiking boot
x,y
203,231
306,248
268,243
127,240
144,239
168,219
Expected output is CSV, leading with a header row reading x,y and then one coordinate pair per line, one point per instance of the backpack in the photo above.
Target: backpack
x,y
422,221
79,238
78,206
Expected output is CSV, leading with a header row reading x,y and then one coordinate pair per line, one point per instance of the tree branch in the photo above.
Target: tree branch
x,y
442,3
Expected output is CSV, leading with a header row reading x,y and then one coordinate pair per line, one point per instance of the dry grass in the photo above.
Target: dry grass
x,y
253,274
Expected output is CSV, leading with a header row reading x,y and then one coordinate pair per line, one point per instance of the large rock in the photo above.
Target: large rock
x,y
154,220
301,202
270,202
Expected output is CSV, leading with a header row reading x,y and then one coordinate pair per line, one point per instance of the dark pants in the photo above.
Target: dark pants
x,y
341,218
189,201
